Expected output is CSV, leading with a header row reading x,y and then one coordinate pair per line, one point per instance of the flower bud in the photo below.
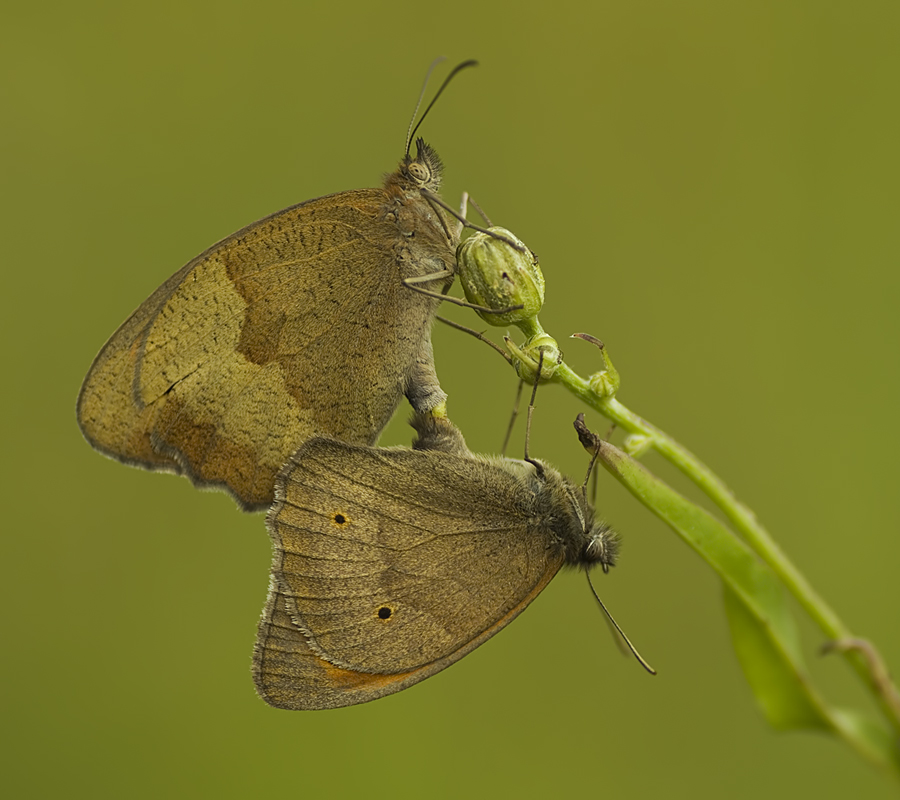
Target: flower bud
x,y
528,356
604,384
496,274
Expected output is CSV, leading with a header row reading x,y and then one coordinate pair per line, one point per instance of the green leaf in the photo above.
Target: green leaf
x,y
779,682
762,627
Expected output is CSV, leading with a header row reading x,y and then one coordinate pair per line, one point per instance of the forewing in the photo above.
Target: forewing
x,y
295,326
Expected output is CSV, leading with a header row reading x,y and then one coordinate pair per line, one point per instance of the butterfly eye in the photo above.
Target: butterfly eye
x,y
419,172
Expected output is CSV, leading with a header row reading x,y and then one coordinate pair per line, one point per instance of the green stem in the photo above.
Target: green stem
x,y
740,516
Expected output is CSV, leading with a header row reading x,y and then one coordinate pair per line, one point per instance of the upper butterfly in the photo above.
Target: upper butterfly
x,y
295,326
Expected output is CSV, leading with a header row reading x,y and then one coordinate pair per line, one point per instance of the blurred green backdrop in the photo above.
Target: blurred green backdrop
x,y
712,189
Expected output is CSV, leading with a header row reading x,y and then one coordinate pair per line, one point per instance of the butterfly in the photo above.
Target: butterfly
x,y
390,564
298,325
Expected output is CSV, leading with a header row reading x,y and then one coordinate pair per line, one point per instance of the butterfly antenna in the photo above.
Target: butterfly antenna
x,y
621,633
591,442
537,376
411,131
590,470
606,438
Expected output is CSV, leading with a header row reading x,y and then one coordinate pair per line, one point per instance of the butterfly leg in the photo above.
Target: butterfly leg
x,y
463,208
436,432
423,389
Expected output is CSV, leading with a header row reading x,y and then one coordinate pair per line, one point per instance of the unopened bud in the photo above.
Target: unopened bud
x,y
528,356
496,274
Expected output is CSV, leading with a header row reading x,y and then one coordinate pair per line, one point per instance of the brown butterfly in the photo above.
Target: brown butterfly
x,y
295,326
391,564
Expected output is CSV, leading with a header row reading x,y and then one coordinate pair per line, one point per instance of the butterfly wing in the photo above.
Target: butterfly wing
x,y
389,566
294,326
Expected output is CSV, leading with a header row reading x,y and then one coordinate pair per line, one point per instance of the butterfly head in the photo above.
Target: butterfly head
x,y
601,546
587,540
424,170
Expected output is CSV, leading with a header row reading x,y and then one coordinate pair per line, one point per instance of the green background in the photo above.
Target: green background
x,y
713,191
